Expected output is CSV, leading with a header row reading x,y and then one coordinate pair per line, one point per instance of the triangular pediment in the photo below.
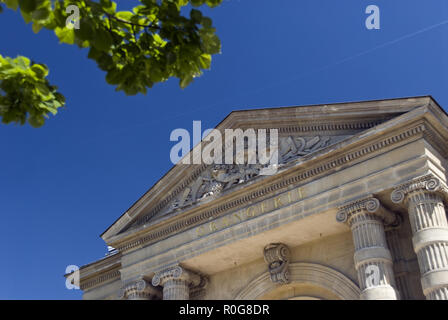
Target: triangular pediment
x,y
303,133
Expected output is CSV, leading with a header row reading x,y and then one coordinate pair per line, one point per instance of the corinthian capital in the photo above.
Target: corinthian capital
x,y
424,183
277,257
177,273
368,205
139,290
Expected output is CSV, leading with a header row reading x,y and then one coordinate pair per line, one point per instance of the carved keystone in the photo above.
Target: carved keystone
x,y
277,256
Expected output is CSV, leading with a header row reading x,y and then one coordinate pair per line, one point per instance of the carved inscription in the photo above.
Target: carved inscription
x,y
250,212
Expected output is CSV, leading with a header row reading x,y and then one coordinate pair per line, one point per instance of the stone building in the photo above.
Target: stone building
x,y
356,210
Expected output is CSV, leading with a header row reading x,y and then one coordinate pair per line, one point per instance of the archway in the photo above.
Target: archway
x,y
308,281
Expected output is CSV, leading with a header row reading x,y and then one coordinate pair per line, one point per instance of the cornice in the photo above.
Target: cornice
x,y
335,126
300,174
100,279
101,271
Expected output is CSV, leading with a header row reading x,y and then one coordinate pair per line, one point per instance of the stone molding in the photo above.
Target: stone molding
x,y
277,256
139,290
104,277
427,182
302,176
304,273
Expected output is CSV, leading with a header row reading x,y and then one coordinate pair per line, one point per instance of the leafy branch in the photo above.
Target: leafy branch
x,y
151,26
150,44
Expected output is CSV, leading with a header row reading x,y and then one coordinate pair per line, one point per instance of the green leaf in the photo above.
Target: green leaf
x,y
36,121
40,71
86,30
109,6
197,3
196,15
113,76
36,27
12,4
185,81
40,14
124,15
206,22
22,62
102,40
43,89
213,3
28,6
212,44
205,61
65,35
26,16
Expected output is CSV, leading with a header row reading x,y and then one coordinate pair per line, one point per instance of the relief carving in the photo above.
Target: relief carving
x,y
295,147
277,256
220,177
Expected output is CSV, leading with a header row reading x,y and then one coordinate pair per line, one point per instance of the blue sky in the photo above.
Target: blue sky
x,y
63,184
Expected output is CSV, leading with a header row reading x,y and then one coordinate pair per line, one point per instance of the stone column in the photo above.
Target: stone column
x,y
139,290
423,198
373,261
177,282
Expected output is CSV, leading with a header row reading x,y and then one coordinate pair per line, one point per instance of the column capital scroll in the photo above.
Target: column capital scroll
x,y
424,183
370,205
139,289
177,273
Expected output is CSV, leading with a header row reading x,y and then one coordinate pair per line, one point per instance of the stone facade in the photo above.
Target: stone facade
x,y
356,210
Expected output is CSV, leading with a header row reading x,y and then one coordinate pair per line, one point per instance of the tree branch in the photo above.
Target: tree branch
x,y
131,23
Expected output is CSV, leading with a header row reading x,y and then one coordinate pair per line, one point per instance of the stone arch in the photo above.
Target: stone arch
x,y
329,280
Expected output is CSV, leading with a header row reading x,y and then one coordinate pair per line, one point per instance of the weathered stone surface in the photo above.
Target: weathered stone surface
x,y
370,173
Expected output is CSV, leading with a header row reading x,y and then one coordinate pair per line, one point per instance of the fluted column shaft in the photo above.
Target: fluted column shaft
x,y
424,200
176,289
176,282
372,258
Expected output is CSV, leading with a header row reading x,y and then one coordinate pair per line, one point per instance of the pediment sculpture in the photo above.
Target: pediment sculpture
x,y
218,178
